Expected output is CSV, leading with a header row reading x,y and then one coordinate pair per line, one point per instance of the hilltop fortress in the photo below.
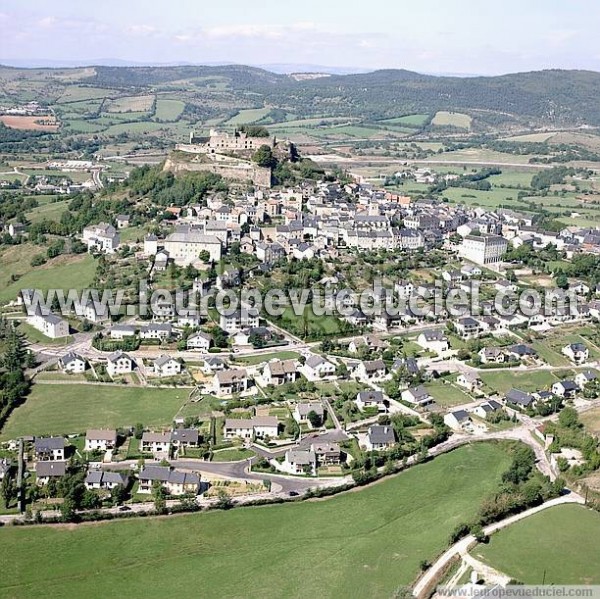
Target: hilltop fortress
x,y
223,153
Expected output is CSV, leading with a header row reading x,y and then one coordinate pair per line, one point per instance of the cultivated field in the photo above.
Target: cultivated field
x,y
452,119
361,544
130,104
31,123
557,546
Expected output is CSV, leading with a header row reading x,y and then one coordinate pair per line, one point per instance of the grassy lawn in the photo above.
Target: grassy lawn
x,y
61,409
563,541
232,455
362,544
447,395
591,420
504,380
550,355
64,272
282,355
36,336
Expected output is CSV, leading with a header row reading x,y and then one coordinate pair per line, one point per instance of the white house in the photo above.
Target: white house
x,y
72,363
174,482
433,340
100,440
318,367
298,461
166,366
372,370
104,480
380,437
199,341
371,399
101,237
45,471
158,444
469,380
418,396
118,363
576,352
302,410
458,420
487,408
585,377
279,372
228,382
49,449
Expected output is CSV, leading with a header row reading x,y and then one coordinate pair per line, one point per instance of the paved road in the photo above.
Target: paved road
x,y
431,576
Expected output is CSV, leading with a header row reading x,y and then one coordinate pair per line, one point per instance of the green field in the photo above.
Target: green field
x,y
503,380
452,119
363,544
64,409
232,455
248,116
66,272
52,211
563,542
168,110
258,358
411,120
448,395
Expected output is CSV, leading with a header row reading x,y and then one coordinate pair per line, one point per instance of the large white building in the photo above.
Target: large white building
x,y
101,237
184,246
483,249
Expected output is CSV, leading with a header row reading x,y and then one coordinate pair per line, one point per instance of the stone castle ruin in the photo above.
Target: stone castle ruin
x,y
223,153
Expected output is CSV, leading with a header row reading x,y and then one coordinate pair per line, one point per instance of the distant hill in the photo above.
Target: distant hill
x,y
543,98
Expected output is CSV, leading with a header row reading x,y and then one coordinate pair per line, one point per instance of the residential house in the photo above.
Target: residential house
x,y
519,398
487,408
159,331
302,410
380,437
327,454
257,427
49,449
299,461
468,328
492,355
122,331
458,420
228,382
100,440
418,396
279,372
199,341
166,366
469,380
521,352
371,399
72,363
118,363
565,388
174,482
576,352
585,377
373,370
101,237
44,471
158,444
184,437
239,319
433,340
318,367
105,480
